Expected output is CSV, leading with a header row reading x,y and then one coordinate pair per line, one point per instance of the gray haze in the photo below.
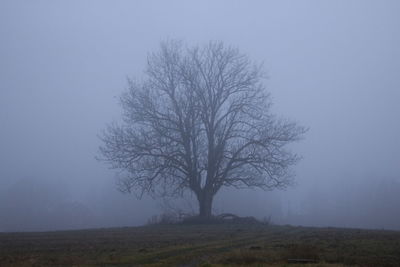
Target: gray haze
x,y
332,65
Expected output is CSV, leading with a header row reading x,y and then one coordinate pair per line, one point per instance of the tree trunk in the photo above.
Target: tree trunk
x,y
205,204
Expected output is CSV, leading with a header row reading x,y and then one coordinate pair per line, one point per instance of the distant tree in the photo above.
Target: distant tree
x,y
199,120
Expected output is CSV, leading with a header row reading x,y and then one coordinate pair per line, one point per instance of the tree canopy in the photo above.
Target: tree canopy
x,y
199,120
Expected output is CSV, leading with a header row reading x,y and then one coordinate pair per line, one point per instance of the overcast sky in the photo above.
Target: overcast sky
x,y
333,66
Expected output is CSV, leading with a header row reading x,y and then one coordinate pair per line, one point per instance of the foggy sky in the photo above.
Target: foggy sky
x,y
333,66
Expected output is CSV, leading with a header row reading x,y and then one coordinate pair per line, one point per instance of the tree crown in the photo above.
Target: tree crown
x,y
200,120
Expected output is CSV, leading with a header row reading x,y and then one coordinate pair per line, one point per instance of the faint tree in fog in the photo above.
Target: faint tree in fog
x,y
199,120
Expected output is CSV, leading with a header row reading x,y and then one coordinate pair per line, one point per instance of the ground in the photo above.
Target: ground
x,y
202,245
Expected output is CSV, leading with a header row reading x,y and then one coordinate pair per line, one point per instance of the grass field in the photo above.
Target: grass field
x,y
202,245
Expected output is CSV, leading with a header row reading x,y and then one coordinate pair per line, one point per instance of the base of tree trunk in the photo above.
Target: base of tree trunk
x,y
225,218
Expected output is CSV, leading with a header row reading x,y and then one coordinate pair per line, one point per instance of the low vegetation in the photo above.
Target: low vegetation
x,y
186,218
222,244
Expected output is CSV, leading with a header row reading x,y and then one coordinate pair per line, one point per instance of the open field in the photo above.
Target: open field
x,y
202,245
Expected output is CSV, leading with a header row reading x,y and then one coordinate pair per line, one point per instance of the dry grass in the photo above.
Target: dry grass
x,y
202,245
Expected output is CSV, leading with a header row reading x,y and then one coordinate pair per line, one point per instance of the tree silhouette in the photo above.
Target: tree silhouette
x,y
199,120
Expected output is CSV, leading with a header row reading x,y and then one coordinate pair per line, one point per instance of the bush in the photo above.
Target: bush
x,y
164,218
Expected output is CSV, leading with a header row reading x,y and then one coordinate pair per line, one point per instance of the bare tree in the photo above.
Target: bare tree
x,y
200,120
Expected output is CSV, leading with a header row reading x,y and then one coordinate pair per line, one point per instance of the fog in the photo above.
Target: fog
x,y
332,66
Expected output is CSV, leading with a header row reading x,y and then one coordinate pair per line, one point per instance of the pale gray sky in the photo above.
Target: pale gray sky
x,y
333,66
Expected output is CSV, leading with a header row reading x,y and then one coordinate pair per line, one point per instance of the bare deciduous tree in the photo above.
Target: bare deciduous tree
x,y
200,120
